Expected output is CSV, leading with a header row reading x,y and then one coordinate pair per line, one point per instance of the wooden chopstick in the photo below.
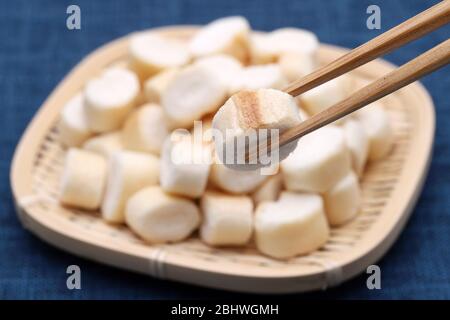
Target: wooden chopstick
x,y
411,29
424,64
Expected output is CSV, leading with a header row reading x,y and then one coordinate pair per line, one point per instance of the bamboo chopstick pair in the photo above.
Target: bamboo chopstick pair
x,y
414,28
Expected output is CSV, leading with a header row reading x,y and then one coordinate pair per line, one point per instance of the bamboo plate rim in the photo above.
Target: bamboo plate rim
x,y
228,275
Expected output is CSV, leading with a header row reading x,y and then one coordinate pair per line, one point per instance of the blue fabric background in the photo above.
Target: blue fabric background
x,y
36,51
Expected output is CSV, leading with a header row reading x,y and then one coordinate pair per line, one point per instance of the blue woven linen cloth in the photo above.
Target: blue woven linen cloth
x,y
37,50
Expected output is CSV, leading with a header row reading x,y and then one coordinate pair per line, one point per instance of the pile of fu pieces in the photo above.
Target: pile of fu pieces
x,y
126,160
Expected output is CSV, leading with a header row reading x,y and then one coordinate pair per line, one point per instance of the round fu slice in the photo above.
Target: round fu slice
x,y
155,86
158,217
145,129
320,160
227,219
105,144
269,190
378,127
129,172
343,200
358,143
295,65
297,226
256,77
226,67
83,179
325,95
294,40
195,92
73,126
247,119
151,53
109,98
267,48
235,181
226,35
185,166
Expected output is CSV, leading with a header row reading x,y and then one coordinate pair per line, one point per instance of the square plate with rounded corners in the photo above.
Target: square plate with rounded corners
x,y
390,190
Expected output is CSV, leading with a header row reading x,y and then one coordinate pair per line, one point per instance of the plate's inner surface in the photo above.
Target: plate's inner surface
x,y
378,182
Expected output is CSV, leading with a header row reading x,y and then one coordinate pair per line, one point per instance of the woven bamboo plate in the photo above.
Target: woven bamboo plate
x,y
390,190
